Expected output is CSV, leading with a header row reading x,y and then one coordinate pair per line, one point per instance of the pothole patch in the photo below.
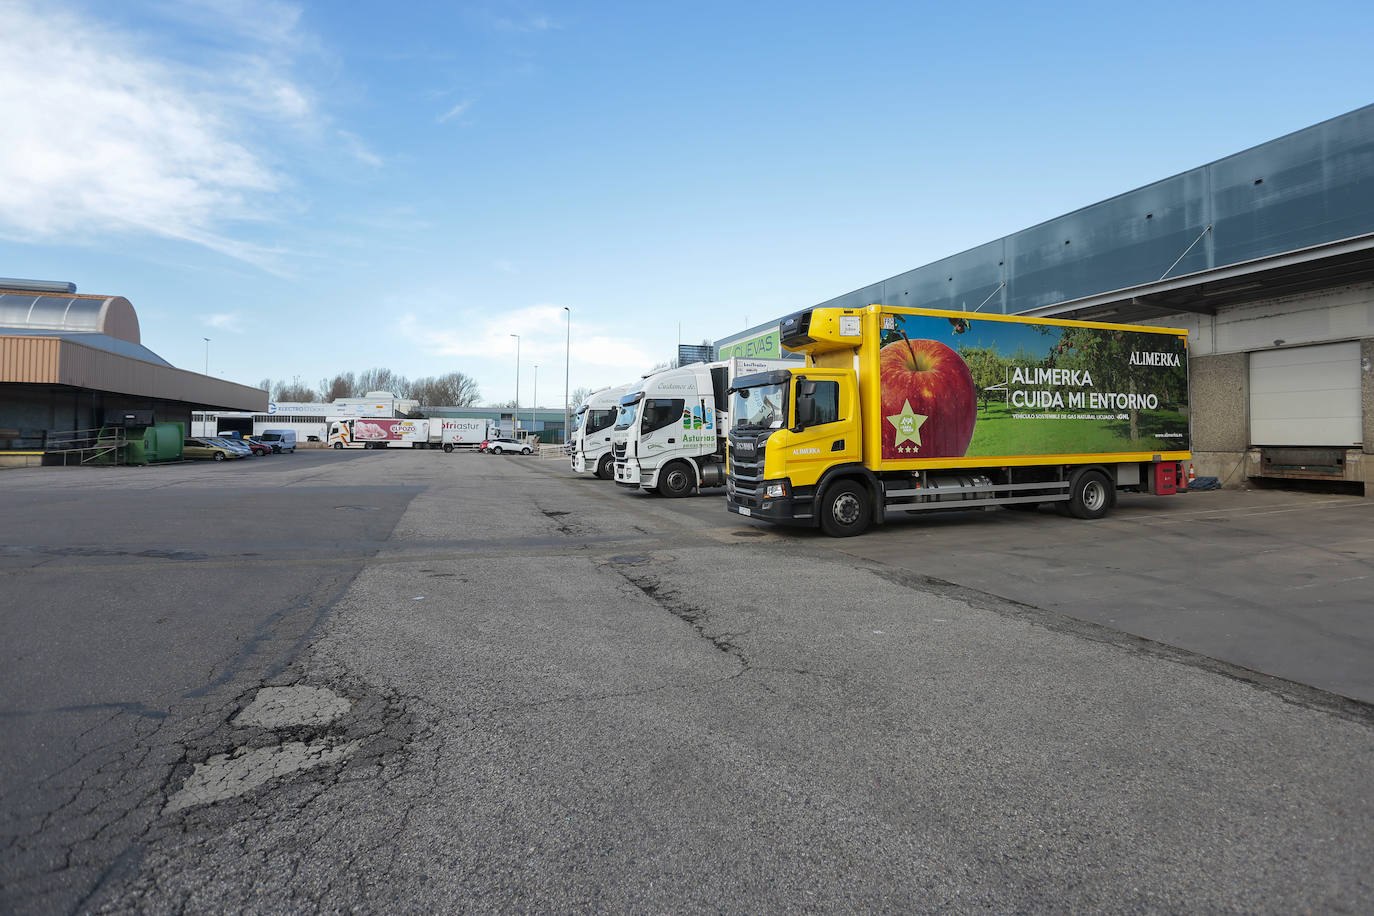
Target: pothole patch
x,y
230,775
243,769
288,707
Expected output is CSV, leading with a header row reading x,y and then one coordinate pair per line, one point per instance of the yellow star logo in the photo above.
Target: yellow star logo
x,y
908,424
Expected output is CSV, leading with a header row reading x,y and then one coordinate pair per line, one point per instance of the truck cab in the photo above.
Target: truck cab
x,y
672,441
593,424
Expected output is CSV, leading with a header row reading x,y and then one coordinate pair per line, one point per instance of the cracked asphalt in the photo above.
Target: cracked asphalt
x,y
417,682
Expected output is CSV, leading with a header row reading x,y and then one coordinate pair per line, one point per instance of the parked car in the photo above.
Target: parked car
x,y
281,440
203,448
504,444
234,447
257,447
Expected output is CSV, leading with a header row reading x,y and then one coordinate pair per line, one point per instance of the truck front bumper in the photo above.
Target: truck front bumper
x,y
797,509
628,473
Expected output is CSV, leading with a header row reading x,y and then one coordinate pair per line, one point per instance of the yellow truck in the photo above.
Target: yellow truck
x,y
915,410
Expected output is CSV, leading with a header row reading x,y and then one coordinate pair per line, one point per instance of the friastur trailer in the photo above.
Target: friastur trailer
x,y
911,410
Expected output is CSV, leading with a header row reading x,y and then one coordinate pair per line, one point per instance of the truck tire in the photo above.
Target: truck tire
x,y
448,448
1090,495
338,445
677,480
845,509
605,468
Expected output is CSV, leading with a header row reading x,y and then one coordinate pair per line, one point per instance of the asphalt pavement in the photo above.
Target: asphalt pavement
x,y
411,681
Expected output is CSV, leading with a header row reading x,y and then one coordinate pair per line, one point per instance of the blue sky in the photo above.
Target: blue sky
x,y
326,187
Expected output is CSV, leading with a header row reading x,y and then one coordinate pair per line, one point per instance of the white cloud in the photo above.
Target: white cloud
x,y
454,112
225,321
358,150
103,136
543,331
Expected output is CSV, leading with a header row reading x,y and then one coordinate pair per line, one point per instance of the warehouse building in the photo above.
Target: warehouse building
x,y
71,364
1265,257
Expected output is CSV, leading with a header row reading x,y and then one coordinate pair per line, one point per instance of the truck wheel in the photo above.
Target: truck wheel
x,y
338,445
845,509
448,448
1090,495
677,480
605,468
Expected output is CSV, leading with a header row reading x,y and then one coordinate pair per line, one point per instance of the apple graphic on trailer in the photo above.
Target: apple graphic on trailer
x,y
929,401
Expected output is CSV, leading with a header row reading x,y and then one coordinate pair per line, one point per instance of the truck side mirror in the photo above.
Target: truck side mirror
x,y
806,412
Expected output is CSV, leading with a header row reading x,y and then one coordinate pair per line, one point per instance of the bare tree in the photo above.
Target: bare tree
x,y
381,379
295,390
452,389
578,396
340,386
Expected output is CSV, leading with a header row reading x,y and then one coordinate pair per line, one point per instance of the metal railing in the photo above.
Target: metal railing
x,y
86,445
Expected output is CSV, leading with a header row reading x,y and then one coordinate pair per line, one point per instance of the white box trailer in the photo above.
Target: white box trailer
x,y
460,432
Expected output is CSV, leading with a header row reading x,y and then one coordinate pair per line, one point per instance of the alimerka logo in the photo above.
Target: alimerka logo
x,y
1154,359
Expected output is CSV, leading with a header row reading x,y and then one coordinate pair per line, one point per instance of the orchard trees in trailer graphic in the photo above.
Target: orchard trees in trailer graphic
x,y
954,387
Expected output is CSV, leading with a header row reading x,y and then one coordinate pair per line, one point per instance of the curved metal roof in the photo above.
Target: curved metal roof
x,y
112,316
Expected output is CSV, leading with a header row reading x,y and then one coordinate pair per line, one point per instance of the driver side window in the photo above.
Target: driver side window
x,y
827,398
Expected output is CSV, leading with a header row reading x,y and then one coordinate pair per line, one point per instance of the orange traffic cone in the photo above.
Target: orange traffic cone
x,y
1192,475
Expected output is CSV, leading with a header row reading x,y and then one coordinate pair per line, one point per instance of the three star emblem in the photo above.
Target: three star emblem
x,y
908,425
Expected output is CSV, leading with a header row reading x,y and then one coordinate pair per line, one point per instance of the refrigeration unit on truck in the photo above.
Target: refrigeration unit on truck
x,y
590,444
673,426
912,410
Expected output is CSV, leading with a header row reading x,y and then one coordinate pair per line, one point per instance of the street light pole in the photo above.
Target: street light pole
x,y
567,357
207,354
535,402
514,414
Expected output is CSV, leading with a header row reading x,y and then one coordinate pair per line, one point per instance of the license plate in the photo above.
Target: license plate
x,y
744,510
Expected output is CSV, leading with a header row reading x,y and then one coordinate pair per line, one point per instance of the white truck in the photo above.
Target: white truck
x,y
447,433
590,444
458,432
674,425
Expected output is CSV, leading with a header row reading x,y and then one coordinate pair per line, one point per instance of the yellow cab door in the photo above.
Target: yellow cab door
x,y
832,437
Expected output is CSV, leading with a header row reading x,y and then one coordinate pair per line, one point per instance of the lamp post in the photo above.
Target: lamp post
x,y
567,357
534,402
514,421
207,354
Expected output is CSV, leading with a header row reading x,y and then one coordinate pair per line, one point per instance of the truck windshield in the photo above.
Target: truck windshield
x,y
660,412
758,408
598,420
627,415
577,419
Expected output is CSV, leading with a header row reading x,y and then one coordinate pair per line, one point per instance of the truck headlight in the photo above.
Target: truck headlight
x,y
774,489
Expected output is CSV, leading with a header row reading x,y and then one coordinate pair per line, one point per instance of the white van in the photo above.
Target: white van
x,y
281,440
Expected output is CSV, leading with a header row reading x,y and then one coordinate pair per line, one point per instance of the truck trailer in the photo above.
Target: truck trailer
x,y
914,410
377,432
669,435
